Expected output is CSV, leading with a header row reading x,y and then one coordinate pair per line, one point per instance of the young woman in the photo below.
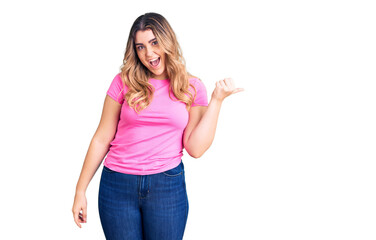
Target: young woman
x,y
153,109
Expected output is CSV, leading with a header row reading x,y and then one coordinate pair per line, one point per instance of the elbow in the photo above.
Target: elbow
x,y
195,151
195,154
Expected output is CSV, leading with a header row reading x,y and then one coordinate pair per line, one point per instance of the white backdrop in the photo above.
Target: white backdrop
x,y
293,156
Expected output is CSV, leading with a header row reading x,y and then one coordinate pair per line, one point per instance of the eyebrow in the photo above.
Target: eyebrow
x,y
149,42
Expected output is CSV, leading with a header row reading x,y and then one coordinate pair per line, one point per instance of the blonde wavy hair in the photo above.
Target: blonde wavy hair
x,y
135,75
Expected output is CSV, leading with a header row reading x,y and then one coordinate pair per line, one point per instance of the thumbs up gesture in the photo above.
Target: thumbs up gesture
x,y
225,88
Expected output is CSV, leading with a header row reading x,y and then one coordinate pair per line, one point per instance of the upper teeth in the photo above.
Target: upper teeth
x,y
154,59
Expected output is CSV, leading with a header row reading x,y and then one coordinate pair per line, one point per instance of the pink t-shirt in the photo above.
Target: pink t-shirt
x,y
151,142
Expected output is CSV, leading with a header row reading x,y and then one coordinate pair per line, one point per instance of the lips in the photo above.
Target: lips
x,y
154,63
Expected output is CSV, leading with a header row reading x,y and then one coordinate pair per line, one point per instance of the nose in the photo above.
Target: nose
x,y
149,52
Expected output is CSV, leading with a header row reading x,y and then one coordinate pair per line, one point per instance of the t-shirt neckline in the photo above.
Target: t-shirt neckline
x,y
160,79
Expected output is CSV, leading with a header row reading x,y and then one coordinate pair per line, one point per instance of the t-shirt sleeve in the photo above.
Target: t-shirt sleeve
x,y
201,97
116,89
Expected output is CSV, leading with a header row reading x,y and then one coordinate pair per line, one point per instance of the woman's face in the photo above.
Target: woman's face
x,y
151,54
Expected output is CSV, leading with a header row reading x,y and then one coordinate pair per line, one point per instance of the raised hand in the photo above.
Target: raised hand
x,y
225,88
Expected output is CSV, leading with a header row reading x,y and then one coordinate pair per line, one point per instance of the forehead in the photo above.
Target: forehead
x,y
144,36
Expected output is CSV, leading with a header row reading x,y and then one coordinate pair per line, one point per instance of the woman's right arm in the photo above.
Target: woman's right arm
x,y
98,149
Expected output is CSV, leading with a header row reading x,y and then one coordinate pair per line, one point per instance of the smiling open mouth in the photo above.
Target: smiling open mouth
x,y
155,63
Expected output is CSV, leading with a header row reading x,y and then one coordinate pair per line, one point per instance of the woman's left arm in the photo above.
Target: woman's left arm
x,y
200,130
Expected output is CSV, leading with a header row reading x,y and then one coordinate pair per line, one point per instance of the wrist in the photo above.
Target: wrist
x,y
80,192
216,100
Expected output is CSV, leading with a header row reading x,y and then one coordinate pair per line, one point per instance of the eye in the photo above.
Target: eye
x,y
139,47
155,42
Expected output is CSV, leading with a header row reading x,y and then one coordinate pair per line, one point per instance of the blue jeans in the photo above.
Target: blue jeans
x,y
150,207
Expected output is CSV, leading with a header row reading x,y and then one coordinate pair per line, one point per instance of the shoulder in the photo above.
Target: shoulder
x,y
192,78
118,78
196,81
198,89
